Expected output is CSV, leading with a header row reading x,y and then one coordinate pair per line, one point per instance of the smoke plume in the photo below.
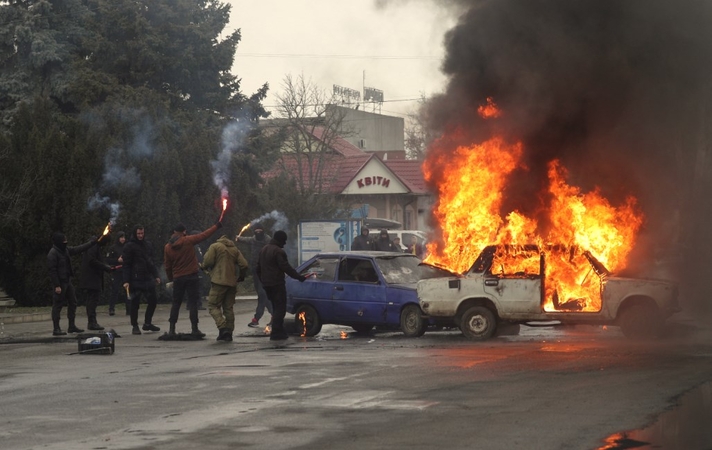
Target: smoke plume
x,y
618,91
233,137
280,220
97,202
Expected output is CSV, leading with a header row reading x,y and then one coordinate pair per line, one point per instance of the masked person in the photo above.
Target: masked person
x,y
182,269
257,242
384,243
272,265
140,278
226,266
92,281
59,265
114,259
362,242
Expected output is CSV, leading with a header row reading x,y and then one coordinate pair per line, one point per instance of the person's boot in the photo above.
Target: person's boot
x,y
112,312
150,327
57,330
136,330
94,326
222,334
172,329
73,328
196,332
228,336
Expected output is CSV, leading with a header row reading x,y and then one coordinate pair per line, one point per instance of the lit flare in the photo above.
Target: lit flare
x,y
245,228
107,230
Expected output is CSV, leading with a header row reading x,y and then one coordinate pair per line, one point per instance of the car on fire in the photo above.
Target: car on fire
x,y
360,289
512,285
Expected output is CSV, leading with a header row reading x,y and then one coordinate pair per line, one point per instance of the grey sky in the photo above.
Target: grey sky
x,y
399,46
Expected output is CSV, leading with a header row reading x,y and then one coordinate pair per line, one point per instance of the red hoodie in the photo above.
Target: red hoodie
x,y
179,254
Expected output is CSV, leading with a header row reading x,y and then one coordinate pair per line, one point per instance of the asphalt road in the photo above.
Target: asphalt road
x,y
547,388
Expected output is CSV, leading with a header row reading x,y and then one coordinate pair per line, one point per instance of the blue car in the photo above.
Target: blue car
x,y
360,290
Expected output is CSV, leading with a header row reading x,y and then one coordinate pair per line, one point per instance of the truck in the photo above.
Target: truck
x,y
508,286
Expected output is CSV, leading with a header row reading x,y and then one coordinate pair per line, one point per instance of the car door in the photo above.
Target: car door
x,y
316,290
359,293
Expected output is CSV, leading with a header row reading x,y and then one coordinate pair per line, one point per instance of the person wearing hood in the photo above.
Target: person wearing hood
x,y
226,267
272,265
362,242
140,278
114,259
257,242
92,281
384,243
59,265
182,268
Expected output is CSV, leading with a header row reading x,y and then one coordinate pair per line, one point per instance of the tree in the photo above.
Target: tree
x,y
124,100
417,137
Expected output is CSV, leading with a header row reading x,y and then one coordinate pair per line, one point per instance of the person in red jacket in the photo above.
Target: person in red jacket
x,y
182,269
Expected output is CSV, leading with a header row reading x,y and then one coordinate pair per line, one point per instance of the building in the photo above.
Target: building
x,y
368,168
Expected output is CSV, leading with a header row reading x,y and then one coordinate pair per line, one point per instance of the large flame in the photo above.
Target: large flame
x,y
470,185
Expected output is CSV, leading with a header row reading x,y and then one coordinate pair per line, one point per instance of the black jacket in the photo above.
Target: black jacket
x,y
385,245
361,242
60,265
272,264
139,270
93,268
112,256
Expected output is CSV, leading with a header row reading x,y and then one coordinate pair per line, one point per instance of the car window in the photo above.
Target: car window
x,y
322,269
361,270
407,269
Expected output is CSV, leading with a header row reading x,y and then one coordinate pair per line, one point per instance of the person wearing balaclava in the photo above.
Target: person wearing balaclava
x,y
92,281
114,259
384,243
257,242
140,278
362,242
60,273
272,265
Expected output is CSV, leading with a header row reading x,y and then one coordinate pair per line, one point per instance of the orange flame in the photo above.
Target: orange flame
x,y
490,110
470,185
344,335
303,318
268,329
243,229
224,203
107,230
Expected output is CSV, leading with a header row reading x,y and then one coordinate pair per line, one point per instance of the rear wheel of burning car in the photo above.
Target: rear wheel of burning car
x,y
478,323
641,321
411,321
307,321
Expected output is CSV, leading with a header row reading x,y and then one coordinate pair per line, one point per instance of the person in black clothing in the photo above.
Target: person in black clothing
x,y
92,281
362,242
114,259
272,265
257,243
60,273
384,243
140,278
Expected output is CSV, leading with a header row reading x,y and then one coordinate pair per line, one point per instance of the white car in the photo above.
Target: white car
x,y
488,297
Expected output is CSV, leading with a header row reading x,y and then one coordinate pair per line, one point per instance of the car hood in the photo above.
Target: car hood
x,y
409,286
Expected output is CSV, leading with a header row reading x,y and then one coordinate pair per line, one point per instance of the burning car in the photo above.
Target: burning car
x,y
360,290
510,284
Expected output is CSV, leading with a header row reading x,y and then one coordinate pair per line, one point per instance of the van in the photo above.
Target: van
x,y
406,236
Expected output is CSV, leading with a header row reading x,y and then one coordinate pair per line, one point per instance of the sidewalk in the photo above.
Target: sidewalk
x,y
16,327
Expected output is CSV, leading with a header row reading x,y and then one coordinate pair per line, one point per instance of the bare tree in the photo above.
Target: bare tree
x,y
417,137
312,128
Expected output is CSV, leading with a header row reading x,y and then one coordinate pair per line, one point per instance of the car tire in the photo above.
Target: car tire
x,y
412,322
311,317
362,329
640,322
478,323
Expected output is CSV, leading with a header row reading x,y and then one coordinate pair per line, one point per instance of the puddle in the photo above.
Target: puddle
x,y
685,427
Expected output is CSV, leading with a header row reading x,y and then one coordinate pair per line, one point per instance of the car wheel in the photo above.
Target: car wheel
x,y
308,324
478,323
641,322
362,329
411,321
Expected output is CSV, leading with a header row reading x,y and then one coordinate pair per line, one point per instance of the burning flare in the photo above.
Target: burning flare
x,y
303,318
245,228
224,207
470,183
107,230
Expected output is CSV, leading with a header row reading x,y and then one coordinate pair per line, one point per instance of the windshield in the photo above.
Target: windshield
x,y
407,269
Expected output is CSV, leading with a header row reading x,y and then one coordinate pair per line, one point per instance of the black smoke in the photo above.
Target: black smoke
x,y
619,91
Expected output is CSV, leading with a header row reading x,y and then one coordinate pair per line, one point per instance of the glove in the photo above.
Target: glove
x,y
218,224
302,278
241,278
